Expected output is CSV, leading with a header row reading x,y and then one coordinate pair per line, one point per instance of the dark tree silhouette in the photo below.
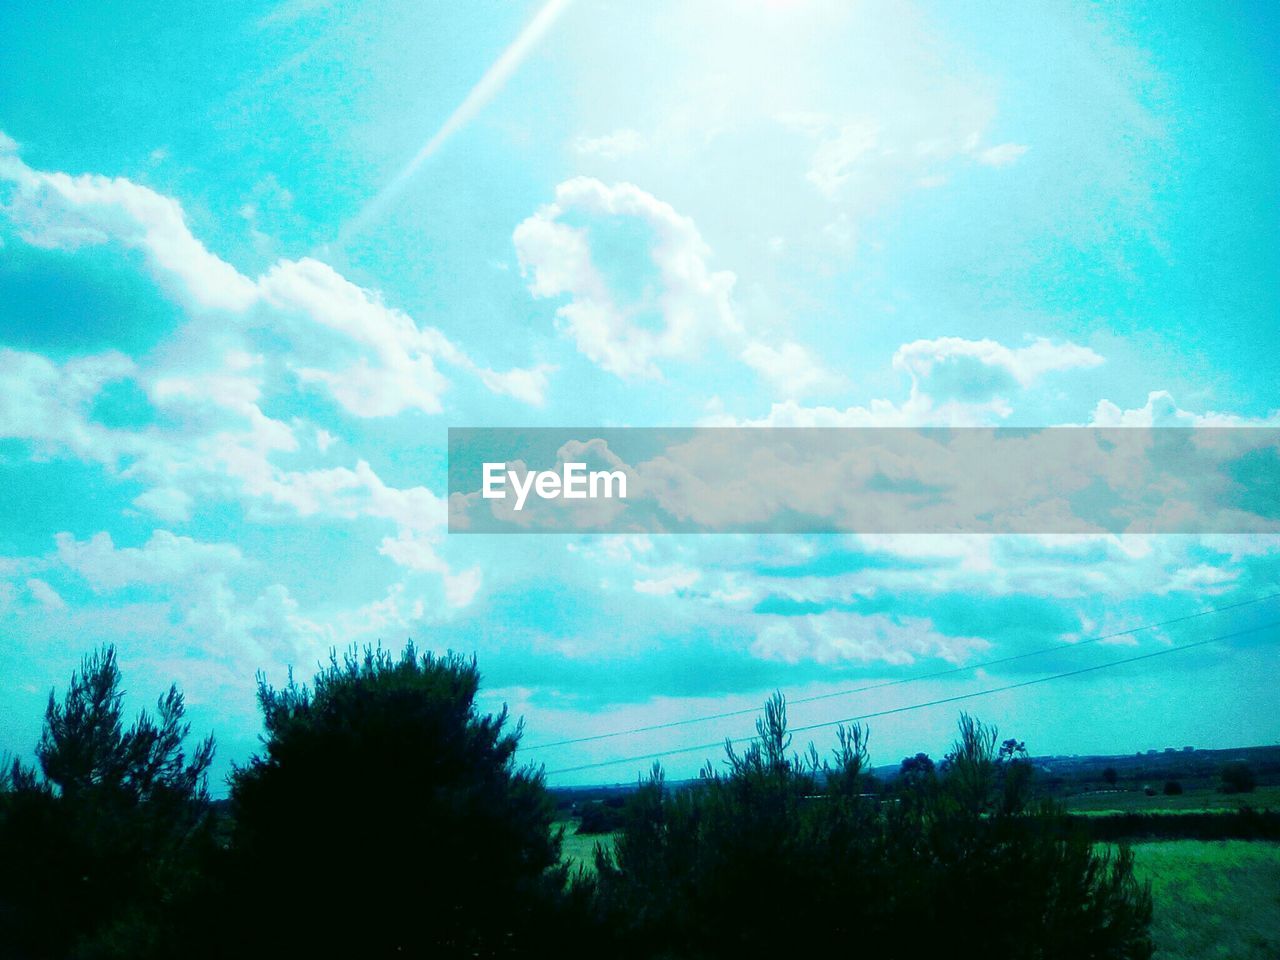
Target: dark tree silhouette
x,y
386,817
1238,777
95,847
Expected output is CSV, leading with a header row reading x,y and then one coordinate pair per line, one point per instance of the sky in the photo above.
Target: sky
x,y
256,259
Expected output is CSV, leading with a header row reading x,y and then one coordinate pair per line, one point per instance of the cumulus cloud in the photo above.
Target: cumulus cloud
x,y
1161,410
417,551
373,359
66,212
393,366
692,302
165,503
976,370
211,438
48,403
163,559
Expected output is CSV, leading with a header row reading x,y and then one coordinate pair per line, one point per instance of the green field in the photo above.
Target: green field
x,y
579,849
1194,800
1215,900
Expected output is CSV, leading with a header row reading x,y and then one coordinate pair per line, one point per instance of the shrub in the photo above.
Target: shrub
x,y
386,817
1238,777
780,847
600,817
1172,788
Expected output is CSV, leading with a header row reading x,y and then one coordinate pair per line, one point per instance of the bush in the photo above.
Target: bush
x,y
1238,777
599,817
386,817
781,850
1172,788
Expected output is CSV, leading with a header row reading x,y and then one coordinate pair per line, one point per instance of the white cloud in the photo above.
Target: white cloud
x,y
373,359
1001,155
976,370
66,212
1203,579
692,302
526,385
839,155
166,503
917,411
790,368
163,559
45,595
1161,410
670,583
611,146
48,403
836,636
381,363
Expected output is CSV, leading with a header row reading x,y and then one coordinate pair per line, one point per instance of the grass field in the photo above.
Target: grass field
x,y
1215,900
579,849
1194,800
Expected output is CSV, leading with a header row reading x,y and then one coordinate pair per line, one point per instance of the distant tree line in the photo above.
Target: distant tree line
x,y
386,816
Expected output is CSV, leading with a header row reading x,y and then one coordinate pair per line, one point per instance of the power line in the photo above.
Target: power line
x,y
920,706
902,680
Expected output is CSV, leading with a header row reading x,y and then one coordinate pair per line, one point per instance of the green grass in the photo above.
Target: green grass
x,y
1193,801
1216,900
578,850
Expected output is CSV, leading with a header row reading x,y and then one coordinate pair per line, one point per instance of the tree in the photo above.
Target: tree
x,y
384,791
1238,777
96,845
1110,775
776,851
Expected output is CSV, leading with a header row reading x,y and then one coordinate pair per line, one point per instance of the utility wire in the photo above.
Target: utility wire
x,y
902,680
920,706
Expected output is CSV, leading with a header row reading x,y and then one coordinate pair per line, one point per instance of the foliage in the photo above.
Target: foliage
x,y
96,845
601,816
1172,788
383,788
777,847
1238,777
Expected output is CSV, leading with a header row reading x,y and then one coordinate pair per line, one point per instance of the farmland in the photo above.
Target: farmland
x,y
1213,900
1193,800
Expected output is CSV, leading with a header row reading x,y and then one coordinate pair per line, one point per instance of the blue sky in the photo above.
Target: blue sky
x,y
237,317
